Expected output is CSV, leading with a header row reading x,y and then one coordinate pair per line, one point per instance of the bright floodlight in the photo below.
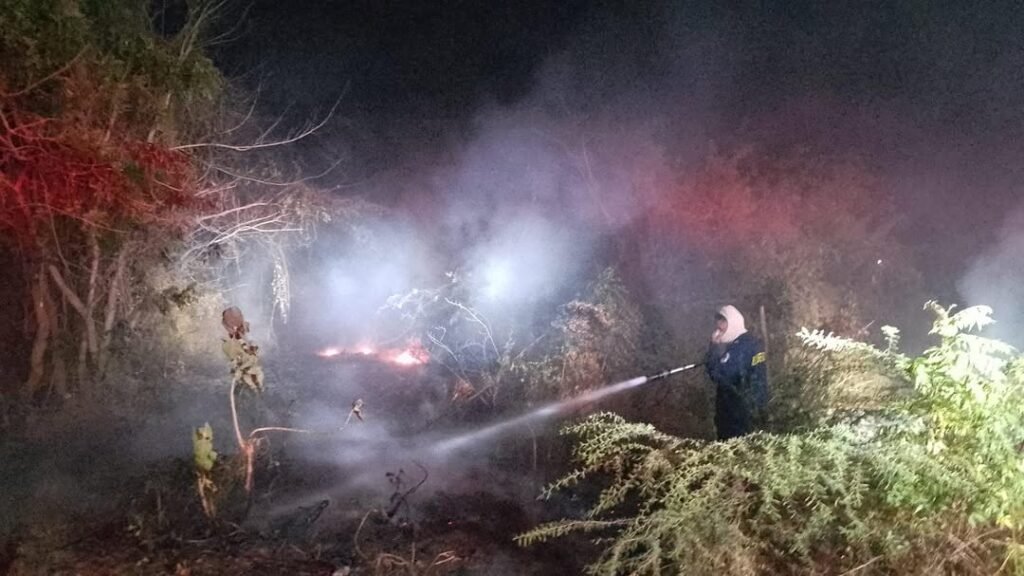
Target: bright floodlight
x,y
496,279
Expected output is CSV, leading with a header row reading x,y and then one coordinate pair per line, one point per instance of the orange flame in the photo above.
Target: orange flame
x,y
413,355
406,358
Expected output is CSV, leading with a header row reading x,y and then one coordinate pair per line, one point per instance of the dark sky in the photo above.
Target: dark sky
x,y
929,93
405,57
947,60
947,70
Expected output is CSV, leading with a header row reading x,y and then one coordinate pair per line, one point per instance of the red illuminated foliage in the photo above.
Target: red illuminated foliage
x,y
746,200
802,233
49,171
87,194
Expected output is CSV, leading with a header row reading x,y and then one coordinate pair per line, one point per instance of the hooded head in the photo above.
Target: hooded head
x,y
734,325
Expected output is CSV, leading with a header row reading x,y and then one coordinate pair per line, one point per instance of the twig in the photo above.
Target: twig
x,y
278,429
286,183
445,557
402,498
479,319
447,349
233,210
355,537
862,566
480,391
592,184
962,545
245,148
248,114
232,33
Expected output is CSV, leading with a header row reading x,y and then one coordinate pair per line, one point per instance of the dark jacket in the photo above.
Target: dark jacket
x,y
738,370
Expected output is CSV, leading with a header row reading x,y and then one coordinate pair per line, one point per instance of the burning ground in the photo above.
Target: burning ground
x,y
373,497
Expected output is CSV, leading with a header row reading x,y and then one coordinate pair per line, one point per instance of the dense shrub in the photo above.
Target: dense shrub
x,y
927,483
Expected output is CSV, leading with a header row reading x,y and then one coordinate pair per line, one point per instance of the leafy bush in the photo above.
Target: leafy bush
x,y
968,414
834,380
594,341
931,484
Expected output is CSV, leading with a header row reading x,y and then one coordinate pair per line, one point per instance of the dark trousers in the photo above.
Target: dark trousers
x,y
733,416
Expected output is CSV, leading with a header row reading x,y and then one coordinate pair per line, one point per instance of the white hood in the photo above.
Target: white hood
x,y
735,328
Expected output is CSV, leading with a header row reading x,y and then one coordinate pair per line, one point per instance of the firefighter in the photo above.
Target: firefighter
x,y
736,364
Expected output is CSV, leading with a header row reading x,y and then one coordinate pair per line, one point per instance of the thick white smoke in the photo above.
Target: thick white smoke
x,y
996,279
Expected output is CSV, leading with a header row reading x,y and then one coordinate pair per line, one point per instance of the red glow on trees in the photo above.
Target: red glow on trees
x,y
78,205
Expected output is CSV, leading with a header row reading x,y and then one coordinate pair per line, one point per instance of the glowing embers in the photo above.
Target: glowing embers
x,y
412,355
330,352
406,358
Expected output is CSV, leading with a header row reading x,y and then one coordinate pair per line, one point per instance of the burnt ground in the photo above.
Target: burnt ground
x,y
110,489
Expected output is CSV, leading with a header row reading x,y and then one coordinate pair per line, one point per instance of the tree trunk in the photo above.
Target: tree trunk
x,y
110,311
82,373
57,372
90,300
58,378
37,366
85,313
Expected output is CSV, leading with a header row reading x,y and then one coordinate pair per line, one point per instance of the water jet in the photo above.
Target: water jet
x,y
553,409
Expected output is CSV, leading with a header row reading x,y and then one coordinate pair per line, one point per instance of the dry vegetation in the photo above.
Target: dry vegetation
x,y
135,187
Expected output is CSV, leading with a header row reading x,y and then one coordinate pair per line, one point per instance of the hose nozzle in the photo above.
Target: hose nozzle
x,y
668,373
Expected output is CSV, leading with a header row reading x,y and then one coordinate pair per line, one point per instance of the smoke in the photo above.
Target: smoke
x,y
340,288
525,261
582,127
397,432
526,202
524,199
996,279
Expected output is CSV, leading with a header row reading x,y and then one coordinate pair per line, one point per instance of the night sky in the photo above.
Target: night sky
x,y
947,61
929,94
400,58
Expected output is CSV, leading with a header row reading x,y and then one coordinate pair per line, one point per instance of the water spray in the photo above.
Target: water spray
x,y
556,408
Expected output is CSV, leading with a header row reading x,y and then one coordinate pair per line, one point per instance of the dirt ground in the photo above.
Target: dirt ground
x,y
110,489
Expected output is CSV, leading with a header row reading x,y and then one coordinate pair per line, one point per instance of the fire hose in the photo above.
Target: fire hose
x,y
667,373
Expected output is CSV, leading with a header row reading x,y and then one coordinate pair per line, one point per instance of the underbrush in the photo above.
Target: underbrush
x,y
925,482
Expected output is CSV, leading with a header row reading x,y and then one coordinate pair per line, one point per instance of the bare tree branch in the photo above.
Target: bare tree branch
x,y
255,180
479,319
233,210
246,148
69,295
248,115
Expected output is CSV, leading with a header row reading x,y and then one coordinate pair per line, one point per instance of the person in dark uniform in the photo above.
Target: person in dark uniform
x,y
736,364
